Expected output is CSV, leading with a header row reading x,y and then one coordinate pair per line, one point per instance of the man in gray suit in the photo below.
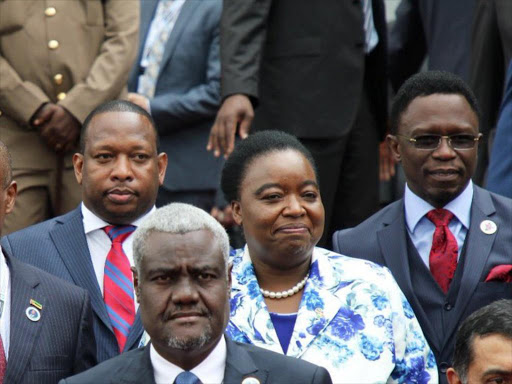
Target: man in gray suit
x,y
183,280
120,169
45,323
176,79
447,242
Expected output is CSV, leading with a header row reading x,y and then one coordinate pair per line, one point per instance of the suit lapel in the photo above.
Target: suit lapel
x,y
393,245
181,23
478,249
24,332
69,239
137,370
239,365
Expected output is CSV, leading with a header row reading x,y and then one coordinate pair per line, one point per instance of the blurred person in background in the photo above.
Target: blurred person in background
x,y
491,52
499,176
59,59
176,78
291,297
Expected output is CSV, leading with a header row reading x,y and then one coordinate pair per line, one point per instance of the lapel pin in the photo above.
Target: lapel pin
x,y
33,314
250,380
488,227
36,304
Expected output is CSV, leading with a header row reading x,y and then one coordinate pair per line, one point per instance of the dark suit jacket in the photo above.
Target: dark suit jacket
x,y
243,360
499,177
59,247
303,63
187,93
440,29
491,53
61,343
383,239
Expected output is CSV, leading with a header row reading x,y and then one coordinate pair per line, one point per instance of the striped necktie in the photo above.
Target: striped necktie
x,y
118,284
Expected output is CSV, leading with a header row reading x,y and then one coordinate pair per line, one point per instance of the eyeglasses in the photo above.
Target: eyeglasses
x,y
432,142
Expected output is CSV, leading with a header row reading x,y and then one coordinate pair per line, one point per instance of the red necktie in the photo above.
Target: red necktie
x,y
444,251
118,284
3,362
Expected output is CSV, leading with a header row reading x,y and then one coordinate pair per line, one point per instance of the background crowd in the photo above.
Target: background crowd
x,y
273,116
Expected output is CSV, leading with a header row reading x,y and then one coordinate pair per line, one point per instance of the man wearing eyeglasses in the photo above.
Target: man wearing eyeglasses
x,y
447,242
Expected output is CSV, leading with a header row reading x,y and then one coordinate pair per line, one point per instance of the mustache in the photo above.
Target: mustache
x,y
180,310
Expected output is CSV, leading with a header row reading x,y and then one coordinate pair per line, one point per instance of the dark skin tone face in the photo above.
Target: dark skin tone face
x,y
282,215
120,170
437,176
183,290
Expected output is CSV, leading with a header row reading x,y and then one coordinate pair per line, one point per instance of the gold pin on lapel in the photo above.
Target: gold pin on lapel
x,y
36,304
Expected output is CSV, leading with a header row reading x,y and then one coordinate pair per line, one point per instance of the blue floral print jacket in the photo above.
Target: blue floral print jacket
x,y
353,320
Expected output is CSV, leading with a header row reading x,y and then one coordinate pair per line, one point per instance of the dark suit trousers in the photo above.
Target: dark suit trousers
x,y
348,170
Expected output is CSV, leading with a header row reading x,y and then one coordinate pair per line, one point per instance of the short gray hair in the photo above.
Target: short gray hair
x,y
178,218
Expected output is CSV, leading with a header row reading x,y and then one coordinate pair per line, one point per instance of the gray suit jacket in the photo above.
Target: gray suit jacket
x,y
383,239
242,361
187,93
61,343
59,247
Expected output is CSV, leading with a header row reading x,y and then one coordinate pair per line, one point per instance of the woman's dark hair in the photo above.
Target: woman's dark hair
x,y
246,151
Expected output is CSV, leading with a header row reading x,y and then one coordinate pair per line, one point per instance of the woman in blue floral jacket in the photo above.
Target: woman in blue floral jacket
x,y
288,296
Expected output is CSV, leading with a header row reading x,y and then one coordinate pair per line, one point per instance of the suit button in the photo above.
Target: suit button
x,y
50,11
57,79
443,367
448,307
53,44
0,113
61,96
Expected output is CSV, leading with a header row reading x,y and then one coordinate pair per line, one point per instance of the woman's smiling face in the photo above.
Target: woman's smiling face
x,y
280,208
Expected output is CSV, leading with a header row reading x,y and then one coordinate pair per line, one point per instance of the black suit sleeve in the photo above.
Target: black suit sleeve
x,y
321,376
85,356
243,33
407,43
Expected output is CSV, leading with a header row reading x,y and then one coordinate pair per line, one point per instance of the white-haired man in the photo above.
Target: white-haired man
x,y
182,281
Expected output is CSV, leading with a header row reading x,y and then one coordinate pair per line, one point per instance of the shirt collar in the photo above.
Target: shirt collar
x,y
210,370
416,208
93,222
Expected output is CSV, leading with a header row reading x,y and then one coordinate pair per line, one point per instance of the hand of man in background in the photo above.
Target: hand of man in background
x,y
140,100
58,127
235,112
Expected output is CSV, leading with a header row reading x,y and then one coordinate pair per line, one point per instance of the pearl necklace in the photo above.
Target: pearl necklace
x,y
284,294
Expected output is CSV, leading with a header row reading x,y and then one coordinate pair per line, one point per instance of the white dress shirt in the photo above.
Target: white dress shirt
x,y
6,313
210,370
421,229
99,243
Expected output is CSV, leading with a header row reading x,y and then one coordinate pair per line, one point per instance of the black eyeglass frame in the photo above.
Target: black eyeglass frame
x,y
413,140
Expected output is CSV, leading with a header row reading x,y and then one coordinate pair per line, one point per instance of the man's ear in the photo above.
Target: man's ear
x,y
394,147
162,166
78,164
136,285
453,377
237,212
10,196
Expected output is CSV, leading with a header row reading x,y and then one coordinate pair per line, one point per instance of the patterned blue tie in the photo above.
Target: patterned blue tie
x,y
187,377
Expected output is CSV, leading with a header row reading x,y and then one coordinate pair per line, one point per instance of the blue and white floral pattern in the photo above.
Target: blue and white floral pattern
x,y
353,320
